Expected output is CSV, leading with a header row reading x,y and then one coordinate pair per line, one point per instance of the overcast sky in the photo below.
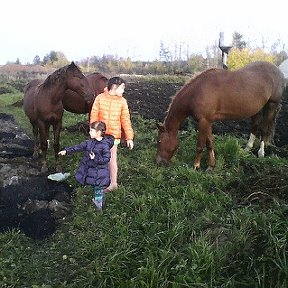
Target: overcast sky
x,y
133,28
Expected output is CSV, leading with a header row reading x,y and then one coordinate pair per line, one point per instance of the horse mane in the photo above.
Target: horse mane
x,y
58,75
55,76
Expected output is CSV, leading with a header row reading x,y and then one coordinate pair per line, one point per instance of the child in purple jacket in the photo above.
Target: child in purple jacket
x,y
93,169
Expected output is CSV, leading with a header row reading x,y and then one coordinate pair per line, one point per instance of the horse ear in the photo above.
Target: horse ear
x,y
160,127
73,64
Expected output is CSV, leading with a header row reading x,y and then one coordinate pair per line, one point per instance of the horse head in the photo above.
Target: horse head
x,y
167,144
77,82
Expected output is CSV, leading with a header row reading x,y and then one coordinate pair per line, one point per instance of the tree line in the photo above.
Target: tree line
x,y
172,60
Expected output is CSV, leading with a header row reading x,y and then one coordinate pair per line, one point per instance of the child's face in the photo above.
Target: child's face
x,y
120,89
94,133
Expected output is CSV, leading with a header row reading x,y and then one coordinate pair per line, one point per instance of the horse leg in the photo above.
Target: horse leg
x,y
57,129
36,141
210,148
255,122
203,128
268,128
44,134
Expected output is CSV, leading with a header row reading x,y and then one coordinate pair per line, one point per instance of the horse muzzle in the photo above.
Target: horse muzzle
x,y
162,161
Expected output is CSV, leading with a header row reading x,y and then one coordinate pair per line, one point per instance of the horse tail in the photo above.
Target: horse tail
x,y
270,115
271,111
274,122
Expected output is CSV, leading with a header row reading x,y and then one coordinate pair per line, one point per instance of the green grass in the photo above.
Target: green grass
x,y
164,226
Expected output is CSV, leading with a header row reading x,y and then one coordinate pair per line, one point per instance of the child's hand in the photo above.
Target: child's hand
x,y
130,144
92,155
62,153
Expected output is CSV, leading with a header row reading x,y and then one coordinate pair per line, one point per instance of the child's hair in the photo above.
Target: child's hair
x,y
99,126
115,80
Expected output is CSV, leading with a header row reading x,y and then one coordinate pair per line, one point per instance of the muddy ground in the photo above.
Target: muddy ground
x,y
151,101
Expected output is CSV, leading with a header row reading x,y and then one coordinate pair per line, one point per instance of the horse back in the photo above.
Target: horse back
x,y
271,75
97,82
29,104
219,94
32,84
74,103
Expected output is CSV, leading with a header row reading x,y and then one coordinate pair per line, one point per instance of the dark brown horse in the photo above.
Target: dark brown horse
x,y
73,102
43,106
217,95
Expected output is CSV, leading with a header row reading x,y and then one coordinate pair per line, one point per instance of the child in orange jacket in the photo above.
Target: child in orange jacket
x,y
111,108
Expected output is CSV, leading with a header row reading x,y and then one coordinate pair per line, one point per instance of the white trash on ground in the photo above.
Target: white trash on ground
x,y
58,176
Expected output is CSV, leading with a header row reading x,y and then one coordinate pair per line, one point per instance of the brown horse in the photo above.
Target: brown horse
x,y
43,106
73,102
217,95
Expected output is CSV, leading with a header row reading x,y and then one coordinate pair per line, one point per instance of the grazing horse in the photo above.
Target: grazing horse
x,y
217,95
73,102
43,106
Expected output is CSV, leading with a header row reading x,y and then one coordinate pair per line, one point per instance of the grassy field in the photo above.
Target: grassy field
x,y
164,226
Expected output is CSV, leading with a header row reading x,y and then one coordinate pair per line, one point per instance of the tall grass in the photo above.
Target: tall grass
x,y
164,226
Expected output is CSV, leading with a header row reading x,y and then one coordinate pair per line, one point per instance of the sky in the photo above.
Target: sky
x,y
133,28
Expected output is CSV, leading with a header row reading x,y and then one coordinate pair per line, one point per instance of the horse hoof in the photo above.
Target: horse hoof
x,y
209,169
261,154
196,168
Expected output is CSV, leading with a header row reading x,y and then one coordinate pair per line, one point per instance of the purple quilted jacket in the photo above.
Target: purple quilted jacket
x,y
94,171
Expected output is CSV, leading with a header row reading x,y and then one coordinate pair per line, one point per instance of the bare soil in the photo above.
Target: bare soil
x,y
28,200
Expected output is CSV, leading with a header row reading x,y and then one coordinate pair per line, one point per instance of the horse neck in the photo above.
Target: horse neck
x,y
57,90
175,117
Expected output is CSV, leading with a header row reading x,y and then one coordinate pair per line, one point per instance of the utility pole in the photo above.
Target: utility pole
x,y
225,50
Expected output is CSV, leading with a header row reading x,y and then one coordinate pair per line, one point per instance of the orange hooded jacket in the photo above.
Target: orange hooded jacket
x,y
114,112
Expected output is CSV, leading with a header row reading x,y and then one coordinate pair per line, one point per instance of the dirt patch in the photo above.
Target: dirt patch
x,y
16,149
28,200
151,99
